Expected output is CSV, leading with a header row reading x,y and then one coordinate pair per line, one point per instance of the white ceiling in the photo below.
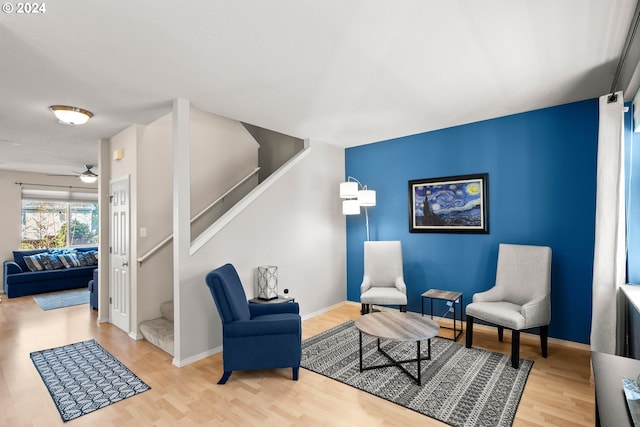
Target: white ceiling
x,y
343,72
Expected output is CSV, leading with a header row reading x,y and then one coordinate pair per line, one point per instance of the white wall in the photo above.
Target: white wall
x,y
155,192
104,165
10,224
275,148
296,224
222,152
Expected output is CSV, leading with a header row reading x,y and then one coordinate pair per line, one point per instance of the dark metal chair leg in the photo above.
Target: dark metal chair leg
x,y
515,349
544,335
360,352
225,377
296,371
500,333
363,309
469,342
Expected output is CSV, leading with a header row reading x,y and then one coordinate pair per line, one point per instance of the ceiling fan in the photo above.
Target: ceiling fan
x,y
88,176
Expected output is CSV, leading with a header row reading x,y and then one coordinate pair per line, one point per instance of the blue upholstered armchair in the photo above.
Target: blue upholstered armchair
x,y
254,336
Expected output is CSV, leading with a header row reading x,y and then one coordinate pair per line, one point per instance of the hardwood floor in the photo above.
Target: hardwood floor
x,y
558,391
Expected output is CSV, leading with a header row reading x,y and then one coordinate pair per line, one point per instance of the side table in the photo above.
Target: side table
x,y
280,299
455,298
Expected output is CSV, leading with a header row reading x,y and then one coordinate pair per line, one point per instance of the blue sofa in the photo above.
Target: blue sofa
x,y
19,280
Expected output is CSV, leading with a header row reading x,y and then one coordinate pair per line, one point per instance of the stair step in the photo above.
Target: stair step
x,y
166,308
159,332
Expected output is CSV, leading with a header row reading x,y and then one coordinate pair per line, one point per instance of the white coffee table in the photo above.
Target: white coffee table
x,y
397,326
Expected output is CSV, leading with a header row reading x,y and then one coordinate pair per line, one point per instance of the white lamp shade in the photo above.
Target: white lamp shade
x,y
350,207
348,190
367,197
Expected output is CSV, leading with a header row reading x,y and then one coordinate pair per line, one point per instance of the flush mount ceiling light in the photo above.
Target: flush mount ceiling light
x,y
71,115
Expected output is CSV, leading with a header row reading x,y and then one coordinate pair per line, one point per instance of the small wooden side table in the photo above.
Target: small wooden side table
x,y
454,298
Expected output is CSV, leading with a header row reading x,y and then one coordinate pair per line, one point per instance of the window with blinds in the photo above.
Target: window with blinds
x,y
59,218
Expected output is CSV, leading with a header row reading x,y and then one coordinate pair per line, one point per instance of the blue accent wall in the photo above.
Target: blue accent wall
x,y
542,182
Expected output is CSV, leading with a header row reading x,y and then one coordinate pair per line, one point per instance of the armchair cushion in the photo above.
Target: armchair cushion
x,y
383,296
499,313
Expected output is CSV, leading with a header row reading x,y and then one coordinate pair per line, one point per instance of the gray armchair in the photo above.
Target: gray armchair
x,y
520,299
383,280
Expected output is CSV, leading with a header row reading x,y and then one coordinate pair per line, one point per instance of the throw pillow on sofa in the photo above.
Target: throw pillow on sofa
x,y
33,262
50,262
69,260
85,258
58,251
91,257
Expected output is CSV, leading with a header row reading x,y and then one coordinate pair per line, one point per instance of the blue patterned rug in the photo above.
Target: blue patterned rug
x,y
62,299
460,386
83,377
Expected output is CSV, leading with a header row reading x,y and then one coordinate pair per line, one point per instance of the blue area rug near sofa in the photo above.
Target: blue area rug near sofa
x,y
84,377
62,299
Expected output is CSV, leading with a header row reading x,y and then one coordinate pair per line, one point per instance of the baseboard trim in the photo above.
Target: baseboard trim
x,y
324,310
184,362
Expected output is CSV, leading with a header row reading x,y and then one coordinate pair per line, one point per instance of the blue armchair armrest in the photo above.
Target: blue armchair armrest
x,y
265,309
264,325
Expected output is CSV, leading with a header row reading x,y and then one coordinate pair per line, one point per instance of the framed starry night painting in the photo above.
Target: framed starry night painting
x,y
452,204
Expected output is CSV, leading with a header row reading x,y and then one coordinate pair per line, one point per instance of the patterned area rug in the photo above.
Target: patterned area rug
x,y
62,299
83,377
460,386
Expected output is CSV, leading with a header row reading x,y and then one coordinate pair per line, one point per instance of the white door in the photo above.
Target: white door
x,y
120,279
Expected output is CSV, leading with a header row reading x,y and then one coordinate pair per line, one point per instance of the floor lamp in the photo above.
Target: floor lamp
x,y
356,195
